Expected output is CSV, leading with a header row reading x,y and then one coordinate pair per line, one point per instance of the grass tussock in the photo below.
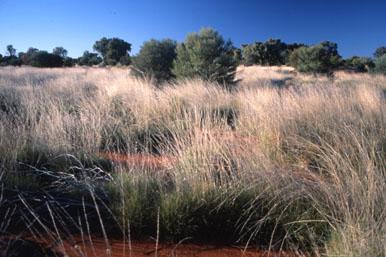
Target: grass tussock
x,y
284,161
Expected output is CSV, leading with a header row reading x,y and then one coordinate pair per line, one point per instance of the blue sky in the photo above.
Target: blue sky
x,y
357,26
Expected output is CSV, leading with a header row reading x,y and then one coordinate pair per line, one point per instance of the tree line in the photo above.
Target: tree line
x,y
204,54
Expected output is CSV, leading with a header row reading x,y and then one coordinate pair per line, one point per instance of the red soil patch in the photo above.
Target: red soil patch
x,y
98,248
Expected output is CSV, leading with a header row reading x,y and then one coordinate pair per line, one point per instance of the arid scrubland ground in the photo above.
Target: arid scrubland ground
x,y
283,161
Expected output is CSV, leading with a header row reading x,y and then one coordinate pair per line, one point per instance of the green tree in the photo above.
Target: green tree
x,y
380,51
205,55
321,58
25,57
69,62
113,50
60,51
275,52
253,53
45,59
359,64
380,65
237,55
155,60
272,52
11,51
89,59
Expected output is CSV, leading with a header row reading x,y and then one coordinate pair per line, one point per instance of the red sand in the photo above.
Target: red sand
x,y
118,249
76,247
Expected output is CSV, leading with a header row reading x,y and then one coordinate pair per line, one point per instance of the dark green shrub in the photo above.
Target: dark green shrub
x,y
237,55
359,64
69,62
253,53
380,51
272,52
321,58
125,60
25,57
155,60
380,65
11,51
275,52
89,59
60,51
45,59
10,60
113,50
207,56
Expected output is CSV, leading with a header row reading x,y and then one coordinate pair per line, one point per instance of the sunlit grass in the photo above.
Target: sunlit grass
x,y
284,161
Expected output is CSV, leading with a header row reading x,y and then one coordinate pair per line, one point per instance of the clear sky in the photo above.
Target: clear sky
x,y
357,26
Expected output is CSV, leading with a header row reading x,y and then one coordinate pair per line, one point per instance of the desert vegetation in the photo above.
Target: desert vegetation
x,y
279,161
204,54
280,147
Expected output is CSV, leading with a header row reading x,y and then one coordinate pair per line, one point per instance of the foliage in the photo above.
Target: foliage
x,y
271,52
10,60
45,59
89,59
25,57
60,51
380,65
205,55
11,50
380,51
321,58
359,64
237,55
252,53
69,62
113,50
155,60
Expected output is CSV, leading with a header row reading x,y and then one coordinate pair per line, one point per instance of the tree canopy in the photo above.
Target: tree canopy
x,y
205,55
113,50
155,60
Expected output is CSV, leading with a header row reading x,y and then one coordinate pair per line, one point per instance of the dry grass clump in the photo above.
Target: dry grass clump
x,y
285,160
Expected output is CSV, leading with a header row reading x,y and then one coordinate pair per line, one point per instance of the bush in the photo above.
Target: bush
x,y
25,57
237,55
272,52
207,56
45,59
359,64
10,60
89,59
11,50
321,58
253,53
60,51
155,60
69,62
380,51
380,65
113,50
